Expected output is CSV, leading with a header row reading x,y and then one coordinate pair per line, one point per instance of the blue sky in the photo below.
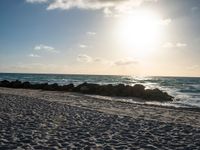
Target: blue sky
x,y
85,36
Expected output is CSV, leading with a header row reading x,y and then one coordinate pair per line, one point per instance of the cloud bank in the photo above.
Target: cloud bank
x,y
91,33
36,1
108,6
84,58
42,47
174,45
34,55
125,62
166,22
83,46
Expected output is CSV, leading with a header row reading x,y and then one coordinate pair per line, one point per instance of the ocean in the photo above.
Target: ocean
x,y
186,90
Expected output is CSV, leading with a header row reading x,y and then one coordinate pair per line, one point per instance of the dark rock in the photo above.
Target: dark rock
x,y
157,95
104,90
120,90
77,88
26,85
16,84
55,87
68,87
51,87
87,88
137,90
84,89
90,88
4,83
39,86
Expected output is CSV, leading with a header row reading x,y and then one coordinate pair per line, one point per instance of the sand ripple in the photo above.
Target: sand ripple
x,y
32,123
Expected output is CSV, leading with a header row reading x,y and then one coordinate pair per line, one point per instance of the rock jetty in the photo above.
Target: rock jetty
x,y
119,90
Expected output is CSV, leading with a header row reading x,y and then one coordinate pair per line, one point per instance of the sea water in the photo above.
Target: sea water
x,y
186,90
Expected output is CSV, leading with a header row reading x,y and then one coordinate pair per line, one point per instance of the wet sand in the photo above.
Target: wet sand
x,y
33,119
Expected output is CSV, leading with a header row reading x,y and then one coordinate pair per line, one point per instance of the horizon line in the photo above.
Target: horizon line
x,y
84,74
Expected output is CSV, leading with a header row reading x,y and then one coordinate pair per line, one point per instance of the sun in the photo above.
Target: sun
x,y
139,31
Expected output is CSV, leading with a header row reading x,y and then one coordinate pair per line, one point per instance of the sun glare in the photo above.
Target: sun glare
x,y
139,31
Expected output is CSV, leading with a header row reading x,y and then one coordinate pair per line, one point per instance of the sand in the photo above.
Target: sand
x,y
33,119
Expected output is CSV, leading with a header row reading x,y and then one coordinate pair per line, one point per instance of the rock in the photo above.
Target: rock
x,y
51,87
77,88
68,87
137,90
47,87
39,86
87,88
120,90
157,95
55,87
84,89
26,85
4,83
106,90
16,84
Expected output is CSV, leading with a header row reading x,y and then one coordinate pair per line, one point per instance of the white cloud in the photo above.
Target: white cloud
x,y
181,45
102,61
36,1
82,4
88,59
165,22
108,6
125,62
174,45
121,62
34,55
84,58
168,45
91,33
83,46
108,12
98,59
42,47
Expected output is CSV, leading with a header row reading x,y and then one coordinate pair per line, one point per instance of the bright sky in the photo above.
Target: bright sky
x,y
131,37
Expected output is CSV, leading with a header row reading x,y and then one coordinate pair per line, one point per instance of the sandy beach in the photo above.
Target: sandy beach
x,y
99,75
34,119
